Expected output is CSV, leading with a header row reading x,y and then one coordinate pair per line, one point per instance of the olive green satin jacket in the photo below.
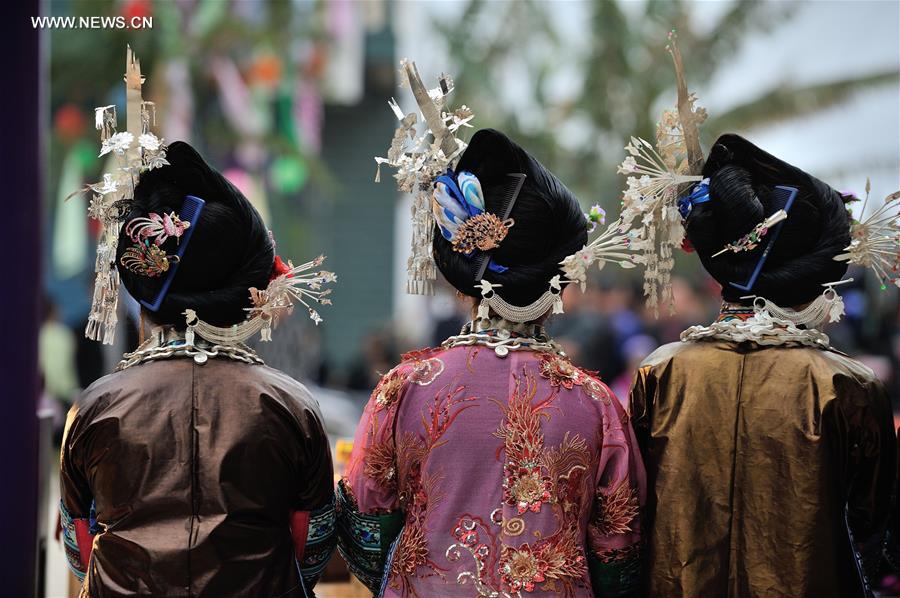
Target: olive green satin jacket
x,y
770,469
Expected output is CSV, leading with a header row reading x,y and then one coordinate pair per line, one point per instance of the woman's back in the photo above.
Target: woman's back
x,y
194,471
762,460
509,472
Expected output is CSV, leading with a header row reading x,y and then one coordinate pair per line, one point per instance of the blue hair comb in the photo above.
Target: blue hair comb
x,y
782,199
190,212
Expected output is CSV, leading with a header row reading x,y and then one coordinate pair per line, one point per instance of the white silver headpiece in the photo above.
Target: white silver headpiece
x,y
296,284
875,240
135,150
649,227
420,157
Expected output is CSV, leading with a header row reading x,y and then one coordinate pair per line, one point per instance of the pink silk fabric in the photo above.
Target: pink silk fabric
x,y
509,471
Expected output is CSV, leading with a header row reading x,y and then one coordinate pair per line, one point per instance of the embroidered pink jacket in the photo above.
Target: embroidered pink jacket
x,y
515,475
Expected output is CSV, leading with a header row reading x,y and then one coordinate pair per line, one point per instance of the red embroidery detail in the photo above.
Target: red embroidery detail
x,y
388,389
611,555
379,464
299,530
615,511
418,493
425,371
420,353
562,373
536,475
85,541
526,484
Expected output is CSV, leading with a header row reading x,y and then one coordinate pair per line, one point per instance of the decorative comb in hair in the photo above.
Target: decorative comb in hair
x,y
190,213
751,240
508,193
782,199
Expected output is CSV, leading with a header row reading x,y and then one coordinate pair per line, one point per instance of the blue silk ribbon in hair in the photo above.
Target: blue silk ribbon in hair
x,y
700,194
456,198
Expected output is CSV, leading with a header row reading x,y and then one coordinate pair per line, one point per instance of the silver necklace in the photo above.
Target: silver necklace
x,y
504,336
166,343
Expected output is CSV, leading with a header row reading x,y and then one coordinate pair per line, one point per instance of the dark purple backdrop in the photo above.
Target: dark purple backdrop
x,y
20,160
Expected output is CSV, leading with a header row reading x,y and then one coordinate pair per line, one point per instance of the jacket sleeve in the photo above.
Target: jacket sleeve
x,y
863,444
614,530
313,523
369,515
640,400
892,541
76,502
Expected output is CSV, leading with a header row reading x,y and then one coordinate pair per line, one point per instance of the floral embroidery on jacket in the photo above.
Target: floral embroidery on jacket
x,y
482,549
526,483
419,494
379,464
529,525
388,389
615,511
425,371
612,555
562,373
535,476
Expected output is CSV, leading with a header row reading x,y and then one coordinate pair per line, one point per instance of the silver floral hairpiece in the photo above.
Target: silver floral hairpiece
x,y
135,150
649,227
295,285
617,245
419,160
875,241
751,240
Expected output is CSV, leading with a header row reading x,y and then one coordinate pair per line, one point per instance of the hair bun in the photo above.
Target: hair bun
x,y
742,184
229,252
549,223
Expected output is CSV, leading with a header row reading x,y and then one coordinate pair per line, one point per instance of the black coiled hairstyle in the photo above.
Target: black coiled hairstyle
x,y
229,251
742,178
549,223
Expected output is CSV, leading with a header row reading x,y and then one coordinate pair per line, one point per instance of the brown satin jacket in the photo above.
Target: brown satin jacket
x,y
761,462
194,471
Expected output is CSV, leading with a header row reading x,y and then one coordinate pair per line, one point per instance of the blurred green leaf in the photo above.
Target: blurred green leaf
x,y
789,101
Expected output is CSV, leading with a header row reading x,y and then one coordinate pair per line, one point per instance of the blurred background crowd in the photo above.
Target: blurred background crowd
x,y
289,99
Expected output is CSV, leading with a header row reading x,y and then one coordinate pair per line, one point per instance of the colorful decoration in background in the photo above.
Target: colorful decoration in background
x,y
288,174
69,250
136,9
265,70
69,123
252,189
